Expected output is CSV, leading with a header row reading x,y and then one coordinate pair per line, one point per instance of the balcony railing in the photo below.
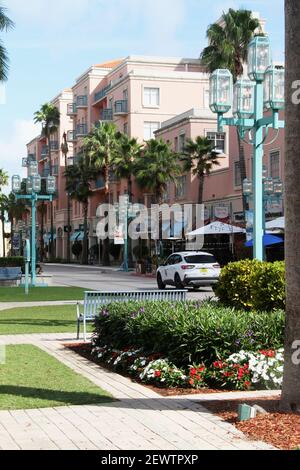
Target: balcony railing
x,y
82,101
121,107
45,172
102,93
81,130
106,114
71,136
72,109
44,152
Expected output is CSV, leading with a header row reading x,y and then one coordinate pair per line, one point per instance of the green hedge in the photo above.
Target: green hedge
x,y
187,332
12,262
252,284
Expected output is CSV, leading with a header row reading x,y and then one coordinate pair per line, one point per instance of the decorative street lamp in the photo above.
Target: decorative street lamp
x,y
265,90
33,188
65,151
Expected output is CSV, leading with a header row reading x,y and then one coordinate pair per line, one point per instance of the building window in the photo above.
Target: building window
x,y
149,129
217,139
275,164
151,97
181,143
237,175
180,187
125,94
176,144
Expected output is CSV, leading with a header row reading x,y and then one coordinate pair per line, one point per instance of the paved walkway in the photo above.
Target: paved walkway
x,y
140,419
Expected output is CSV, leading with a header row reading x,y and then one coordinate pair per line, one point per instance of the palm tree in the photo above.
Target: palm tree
x,y
15,210
128,150
157,166
79,178
2,218
3,178
49,117
199,157
101,146
228,46
5,25
291,381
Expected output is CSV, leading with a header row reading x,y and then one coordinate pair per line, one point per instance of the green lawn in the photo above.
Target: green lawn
x,y
17,294
31,379
56,319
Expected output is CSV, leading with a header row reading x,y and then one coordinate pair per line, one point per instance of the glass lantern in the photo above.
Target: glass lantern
x,y
29,185
50,184
264,173
16,184
36,183
243,99
274,92
278,188
268,186
259,58
32,168
247,187
220,94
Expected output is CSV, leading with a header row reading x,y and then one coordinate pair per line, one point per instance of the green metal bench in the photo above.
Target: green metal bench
x,y
93,301
10,274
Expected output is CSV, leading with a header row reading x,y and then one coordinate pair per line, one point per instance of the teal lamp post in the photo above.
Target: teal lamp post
x,y
248,99
33,188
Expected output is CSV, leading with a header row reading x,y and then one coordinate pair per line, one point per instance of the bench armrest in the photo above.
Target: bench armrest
x,y
78,305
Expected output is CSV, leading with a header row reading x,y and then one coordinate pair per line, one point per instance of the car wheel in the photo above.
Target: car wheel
x,y
161,285
178,283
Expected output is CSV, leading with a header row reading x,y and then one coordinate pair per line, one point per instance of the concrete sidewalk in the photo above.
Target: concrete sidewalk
x,y
140,419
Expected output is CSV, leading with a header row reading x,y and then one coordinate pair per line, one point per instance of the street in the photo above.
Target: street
x,y
109,279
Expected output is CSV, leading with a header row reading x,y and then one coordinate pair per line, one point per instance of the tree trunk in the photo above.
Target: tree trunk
x,y
130,256
3,236
52,254
85,238
291,383
243,171
68,218
201,189
106,241
12,236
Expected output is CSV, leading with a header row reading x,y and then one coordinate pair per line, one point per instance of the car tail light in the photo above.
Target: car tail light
x,y
187,266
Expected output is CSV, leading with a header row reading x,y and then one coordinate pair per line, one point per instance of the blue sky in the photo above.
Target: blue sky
x,y
56,40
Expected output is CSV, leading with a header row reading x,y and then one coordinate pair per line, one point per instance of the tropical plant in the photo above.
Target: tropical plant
x,y
101,147
5,25
291,381
227,49
200,157
14,209
3,178
49,116
156,167
79,178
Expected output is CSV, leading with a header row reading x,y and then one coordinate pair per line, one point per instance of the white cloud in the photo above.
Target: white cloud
x,y
13,145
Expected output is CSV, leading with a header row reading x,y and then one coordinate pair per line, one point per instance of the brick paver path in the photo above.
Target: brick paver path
x,y
140,419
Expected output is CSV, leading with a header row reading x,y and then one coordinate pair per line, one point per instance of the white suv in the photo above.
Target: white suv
x,y
189,269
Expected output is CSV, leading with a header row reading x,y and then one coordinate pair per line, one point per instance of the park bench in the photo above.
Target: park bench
x,y
8,275
93,301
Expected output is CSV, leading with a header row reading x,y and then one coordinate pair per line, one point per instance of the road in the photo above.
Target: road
x,y
91,277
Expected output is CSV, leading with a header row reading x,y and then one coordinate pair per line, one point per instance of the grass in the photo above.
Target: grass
x,y
32,379
55,319
17,294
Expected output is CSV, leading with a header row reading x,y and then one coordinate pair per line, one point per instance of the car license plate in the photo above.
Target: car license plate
x,y
203,270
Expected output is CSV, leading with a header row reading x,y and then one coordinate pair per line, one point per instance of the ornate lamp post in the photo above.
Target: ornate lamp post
x,y
33,188
264,90
65,151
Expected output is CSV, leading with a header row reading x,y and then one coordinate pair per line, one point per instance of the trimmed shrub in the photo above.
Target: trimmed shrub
x,y
12,262
187,332
252,284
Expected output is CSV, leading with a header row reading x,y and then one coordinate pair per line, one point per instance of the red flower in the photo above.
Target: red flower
x,y
269,353
201,369
218,365
192,382
227,374
157,373
247,384
198,377
193,371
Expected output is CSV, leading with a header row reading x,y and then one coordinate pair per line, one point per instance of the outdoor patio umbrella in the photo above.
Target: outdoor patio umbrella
x,y
276,224
217,228
269,240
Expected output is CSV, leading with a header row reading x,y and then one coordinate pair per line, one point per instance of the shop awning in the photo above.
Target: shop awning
x,y
77,236
217,228
268,240
47,237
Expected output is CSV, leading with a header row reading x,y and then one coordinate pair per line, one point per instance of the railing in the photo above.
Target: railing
x,y
82,101
121,107
73,160
44,151
72,109
45,172
31,156
106,114
102,93
100,183
81,130
55,170
71,136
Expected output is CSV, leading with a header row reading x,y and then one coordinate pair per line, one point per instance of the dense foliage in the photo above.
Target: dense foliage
x,y
188,332
12,262
253,284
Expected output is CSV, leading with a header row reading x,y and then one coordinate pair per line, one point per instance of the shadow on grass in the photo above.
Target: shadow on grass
x,y
36,322
65,398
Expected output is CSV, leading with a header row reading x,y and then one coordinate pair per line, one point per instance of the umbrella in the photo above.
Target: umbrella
x,y
276,224
268,241
217,228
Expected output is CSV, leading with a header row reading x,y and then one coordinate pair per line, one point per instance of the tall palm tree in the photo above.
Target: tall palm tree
x,y
228,46
79,178
3,179
5,25
291,381
49,116
128,150
101,146
199,157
